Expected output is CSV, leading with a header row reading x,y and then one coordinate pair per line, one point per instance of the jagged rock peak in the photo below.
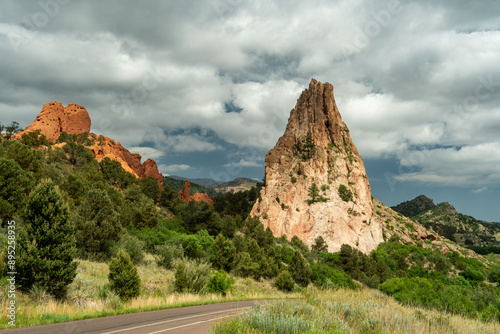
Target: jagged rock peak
x,y
316,149
316,113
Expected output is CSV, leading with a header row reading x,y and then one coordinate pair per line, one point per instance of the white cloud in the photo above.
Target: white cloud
x,y
473,166
168,169
244,163
147,152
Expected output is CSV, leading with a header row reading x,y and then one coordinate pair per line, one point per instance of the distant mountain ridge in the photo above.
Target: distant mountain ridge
x,y
446,221
415,206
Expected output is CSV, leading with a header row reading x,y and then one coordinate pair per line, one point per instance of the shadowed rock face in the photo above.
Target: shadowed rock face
x,y
74,119
317,148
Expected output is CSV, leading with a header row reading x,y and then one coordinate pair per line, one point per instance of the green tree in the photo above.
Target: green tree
x,y
15,185
150,188
345,193
123,276
46,244
319,245
181,280
313,193
284,282
98,225
12,129
300,270
223,253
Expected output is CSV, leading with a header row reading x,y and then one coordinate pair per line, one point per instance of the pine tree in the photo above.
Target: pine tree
x,y
98,225
300,270
313,193
46,244
320,245
224,253
123,276
15,185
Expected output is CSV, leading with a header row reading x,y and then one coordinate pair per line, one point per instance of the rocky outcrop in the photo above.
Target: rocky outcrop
x,y
316,149
185,195
105,147
202,197
54,119
74,119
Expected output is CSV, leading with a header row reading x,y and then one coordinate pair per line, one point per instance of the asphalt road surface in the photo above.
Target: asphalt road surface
x,y
192,320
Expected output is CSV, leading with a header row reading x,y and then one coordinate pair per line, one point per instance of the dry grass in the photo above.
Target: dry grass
x,y
89,297
347,311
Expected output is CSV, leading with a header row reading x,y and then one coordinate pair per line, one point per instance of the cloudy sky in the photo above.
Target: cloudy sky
x,y
205,87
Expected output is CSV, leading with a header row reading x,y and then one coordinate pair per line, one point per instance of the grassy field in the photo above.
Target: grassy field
x,y
347,311
90,297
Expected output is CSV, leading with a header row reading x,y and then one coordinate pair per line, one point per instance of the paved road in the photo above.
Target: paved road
x,y
192,320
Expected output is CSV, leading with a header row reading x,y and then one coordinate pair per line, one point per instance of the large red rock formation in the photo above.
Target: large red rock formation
x,y
74,119
316,148
54,119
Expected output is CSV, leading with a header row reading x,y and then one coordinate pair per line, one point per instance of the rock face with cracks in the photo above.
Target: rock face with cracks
x,y
316,148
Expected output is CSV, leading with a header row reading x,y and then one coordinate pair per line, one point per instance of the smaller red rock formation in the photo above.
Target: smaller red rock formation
x,y
185,194
198,197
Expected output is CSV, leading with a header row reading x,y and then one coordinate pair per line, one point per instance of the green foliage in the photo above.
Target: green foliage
x,y
314,195
284,282
29,159
305,149
239,203
97,225
167,254
223,253
139,210
345,193
246,266
192,276
46,243
220,283
319,245
35,139
150,188
123,276
113,172
15,185
300,270
200,216
181,280
327,277
415,206
11,129
169,198
131,245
